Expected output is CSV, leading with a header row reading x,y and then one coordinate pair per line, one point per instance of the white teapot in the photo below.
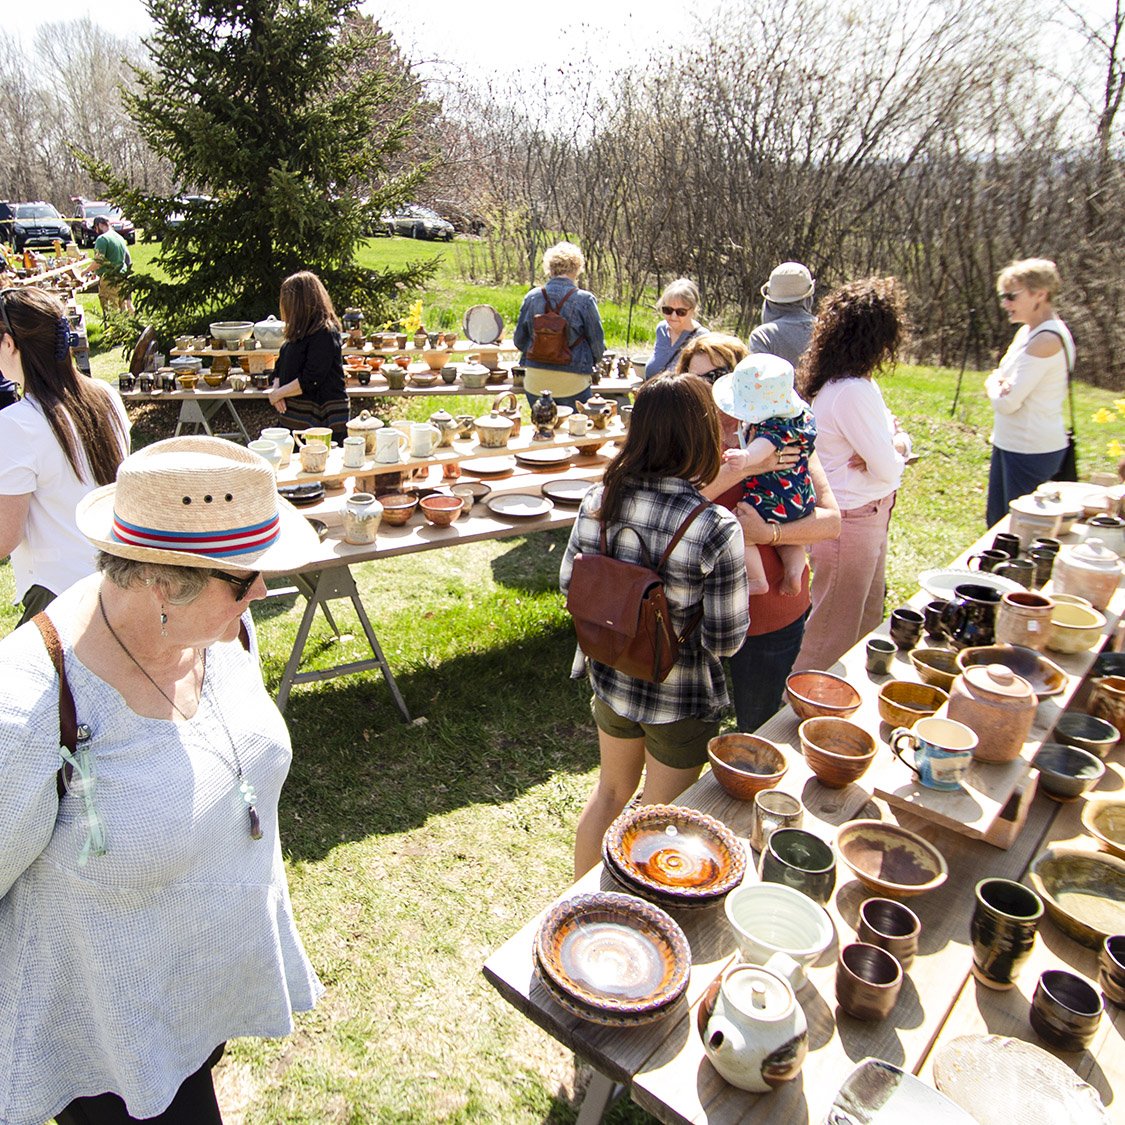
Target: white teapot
x,y
756,1036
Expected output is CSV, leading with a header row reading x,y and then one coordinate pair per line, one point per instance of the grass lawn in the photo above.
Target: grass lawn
x,y
413,852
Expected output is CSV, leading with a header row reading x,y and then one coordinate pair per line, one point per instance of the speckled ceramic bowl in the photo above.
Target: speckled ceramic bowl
x,y
821,694
889,859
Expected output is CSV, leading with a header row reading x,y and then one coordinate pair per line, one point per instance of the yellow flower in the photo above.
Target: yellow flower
x,y
1119,403
1115,448
1102,416
413,320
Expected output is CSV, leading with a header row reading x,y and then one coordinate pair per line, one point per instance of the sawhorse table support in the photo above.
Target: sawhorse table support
x,y
198,413
319,588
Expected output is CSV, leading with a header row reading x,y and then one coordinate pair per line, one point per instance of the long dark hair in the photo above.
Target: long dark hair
x,y
859,330
305,306
674,432
78,409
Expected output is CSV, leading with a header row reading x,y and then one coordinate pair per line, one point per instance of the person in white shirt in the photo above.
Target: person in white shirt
x,y
863,449
64,438
1029,440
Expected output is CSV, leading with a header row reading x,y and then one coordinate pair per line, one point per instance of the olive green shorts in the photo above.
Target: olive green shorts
x,y
681,745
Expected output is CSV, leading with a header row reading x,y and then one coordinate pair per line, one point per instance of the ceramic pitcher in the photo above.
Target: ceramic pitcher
x,y
970,618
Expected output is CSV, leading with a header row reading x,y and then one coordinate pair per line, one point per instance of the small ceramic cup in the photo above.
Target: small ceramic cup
x,y
1065,1010
1046,543
868,981
798,859
931,614
314,456
1008,543
906,628
880,654
890,926
1018,570
1024,618
988,560
355,452
1111,969
1002,929
943,751
773,810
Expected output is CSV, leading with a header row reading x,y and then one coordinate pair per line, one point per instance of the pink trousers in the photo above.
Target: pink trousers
x,y
849,585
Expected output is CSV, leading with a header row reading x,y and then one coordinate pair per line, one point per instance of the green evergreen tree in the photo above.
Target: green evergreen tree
x,y
285,112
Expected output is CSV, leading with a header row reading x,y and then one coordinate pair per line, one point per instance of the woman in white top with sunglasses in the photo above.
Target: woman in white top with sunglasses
x,y
1027,389
677,305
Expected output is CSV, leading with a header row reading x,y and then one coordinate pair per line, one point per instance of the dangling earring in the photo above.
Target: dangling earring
x,y
163,622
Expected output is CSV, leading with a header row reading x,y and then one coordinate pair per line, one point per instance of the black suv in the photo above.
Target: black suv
x,y
87,210
37,224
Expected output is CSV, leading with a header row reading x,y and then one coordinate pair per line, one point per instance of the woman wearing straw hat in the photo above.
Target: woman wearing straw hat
x,y
65,437
144,911
787,317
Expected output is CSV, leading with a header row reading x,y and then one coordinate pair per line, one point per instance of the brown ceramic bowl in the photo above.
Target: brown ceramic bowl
x,y
744,764
1075,628
837,751
214,379
902,703
1045,676
936,666
398,507
440,510
1104,818
889,859
815,695
1084,892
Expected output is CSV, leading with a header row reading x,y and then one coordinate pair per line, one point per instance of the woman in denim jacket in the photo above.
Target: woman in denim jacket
x,y
569,383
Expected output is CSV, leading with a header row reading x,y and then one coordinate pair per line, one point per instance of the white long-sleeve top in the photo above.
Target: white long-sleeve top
x,y
1029,415
851,418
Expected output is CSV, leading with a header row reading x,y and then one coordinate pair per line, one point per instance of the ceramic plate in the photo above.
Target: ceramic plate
x,y
301,495
613,952
482,324
879,1093
552,455
1084,892
940,583
676,851
1000,1080
599,1015
568,492
521,505
489,466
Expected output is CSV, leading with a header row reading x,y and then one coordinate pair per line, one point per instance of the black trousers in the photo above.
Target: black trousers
x,y
194,1104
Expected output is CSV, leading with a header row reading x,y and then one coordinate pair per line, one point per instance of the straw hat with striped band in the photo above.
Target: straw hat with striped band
x,y
198,502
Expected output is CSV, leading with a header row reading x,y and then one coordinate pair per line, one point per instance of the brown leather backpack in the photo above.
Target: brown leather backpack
x,y
621,613
549,334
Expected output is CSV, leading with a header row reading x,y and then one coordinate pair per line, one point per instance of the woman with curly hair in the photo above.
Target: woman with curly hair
x,y
863,449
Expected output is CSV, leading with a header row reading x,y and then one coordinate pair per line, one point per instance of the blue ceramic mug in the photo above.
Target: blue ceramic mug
x,y
943,751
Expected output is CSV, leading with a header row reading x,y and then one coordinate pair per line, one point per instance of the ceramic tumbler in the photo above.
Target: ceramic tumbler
x,y
1018,570
932,614
267,450
1046,543
868,981
314,456
355,452
880,654
988,560
906,628
1111,969
943,751
773,810
796,858
1008,543
890,926
1002,929
1065,1010
1043,559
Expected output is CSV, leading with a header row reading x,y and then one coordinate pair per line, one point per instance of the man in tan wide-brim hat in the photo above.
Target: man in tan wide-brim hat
x,y
142,762
787,319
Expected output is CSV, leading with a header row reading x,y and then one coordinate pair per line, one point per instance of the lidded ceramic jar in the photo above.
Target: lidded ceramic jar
x,y
270,333
1024,618
1034,515
1110,530
998,706
362,516
508,405
445,424
493,430
365,425
1090,570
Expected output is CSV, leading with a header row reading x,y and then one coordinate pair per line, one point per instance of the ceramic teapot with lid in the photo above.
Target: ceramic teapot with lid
x,y
493,430
508,404
599,410
445,424
270,333
756,1035
1090,570
365,425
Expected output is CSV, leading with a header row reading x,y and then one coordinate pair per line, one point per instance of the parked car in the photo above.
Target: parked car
x,y
176,218
416,221
87,210
464,218
37,224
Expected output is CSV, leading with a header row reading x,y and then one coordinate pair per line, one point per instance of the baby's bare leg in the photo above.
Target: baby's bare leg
x,y
755,572
793,560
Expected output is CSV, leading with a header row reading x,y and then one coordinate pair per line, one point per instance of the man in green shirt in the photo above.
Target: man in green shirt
x,y
112,256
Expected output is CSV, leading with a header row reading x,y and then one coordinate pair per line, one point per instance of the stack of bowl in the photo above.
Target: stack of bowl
x,y
673,856
611,959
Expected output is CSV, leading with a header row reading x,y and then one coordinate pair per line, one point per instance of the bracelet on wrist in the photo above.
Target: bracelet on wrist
x,y
776,529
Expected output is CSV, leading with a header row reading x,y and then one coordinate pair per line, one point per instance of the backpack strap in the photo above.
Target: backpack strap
x,y
68,719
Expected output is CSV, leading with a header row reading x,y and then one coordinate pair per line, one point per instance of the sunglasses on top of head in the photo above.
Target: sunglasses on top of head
x,y
240,582
671,310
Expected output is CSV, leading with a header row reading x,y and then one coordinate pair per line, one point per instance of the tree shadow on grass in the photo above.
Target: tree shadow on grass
x,y
497,723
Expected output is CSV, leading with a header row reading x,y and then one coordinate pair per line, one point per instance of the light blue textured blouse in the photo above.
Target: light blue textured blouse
x,y
125,972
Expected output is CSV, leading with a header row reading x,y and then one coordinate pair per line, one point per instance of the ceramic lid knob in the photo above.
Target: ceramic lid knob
x,y
758,993
1094,554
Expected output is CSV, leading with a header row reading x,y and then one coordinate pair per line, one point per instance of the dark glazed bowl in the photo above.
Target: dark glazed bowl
x,y
1065,1010
1111,969
889,859
1065,772
837,751
744,764
821,694
1087,733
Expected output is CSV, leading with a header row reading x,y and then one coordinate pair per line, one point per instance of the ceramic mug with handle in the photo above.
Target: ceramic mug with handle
x,y
943,751
390,446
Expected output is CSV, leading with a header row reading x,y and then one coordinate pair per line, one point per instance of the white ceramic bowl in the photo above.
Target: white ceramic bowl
x,y
1075,628
768,918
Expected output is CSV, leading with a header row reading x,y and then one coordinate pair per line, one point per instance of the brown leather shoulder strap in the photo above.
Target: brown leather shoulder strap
x,y
68,718
699,509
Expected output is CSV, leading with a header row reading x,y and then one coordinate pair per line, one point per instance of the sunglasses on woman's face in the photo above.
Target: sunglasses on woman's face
x,y
669,310
1010,296
714,373
240,582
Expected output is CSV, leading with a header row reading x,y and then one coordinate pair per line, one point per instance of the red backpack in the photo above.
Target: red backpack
x,y
548,334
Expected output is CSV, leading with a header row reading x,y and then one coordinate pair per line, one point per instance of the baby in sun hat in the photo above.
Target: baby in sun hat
x,y
759,392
